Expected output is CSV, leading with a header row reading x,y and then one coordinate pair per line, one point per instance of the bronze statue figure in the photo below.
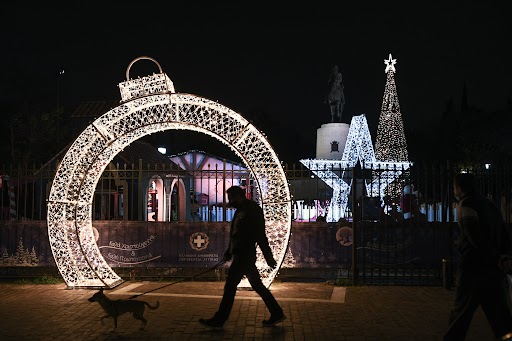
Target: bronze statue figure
x,y
336,97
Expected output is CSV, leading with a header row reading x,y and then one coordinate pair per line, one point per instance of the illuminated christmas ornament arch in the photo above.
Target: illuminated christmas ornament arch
x,y
149,105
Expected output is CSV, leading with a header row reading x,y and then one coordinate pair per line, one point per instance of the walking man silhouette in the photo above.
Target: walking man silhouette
x,y
247,230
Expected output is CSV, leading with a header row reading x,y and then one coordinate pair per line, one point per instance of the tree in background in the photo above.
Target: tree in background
x,y
36,138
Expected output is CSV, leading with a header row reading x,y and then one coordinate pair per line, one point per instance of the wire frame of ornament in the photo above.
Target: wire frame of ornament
x,y
149,105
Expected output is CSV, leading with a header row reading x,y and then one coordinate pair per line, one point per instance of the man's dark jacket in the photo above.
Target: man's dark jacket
x,y
483,235
247,230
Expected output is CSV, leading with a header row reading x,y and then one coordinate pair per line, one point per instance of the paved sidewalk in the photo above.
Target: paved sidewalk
x,y
315,311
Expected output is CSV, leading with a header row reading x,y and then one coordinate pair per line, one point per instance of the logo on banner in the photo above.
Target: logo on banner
x,y
344,236
199,241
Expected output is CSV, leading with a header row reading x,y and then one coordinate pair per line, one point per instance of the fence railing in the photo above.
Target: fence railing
x,y
138,192
402,237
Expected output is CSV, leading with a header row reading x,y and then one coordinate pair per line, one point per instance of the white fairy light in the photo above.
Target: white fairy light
x,y
331,172
389,159
359,144
390,64
149,105
390,144
358,147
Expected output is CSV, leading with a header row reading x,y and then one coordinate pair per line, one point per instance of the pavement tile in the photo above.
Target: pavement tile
x,y
52,312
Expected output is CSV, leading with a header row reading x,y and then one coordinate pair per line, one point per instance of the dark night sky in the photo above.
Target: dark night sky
x,y
270,66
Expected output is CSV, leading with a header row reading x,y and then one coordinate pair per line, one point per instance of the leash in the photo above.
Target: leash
x,y
181,280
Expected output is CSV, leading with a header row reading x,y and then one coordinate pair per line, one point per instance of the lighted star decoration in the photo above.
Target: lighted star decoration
x,y
150,105
332,172
390,64
359,147
385,173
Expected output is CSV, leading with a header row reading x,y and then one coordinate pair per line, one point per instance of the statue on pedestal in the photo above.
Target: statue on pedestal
x,y
336,97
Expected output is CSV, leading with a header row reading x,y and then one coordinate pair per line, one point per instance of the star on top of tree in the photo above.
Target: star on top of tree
x,y
390,64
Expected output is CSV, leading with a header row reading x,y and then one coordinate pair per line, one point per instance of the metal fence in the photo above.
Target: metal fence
x,y
124,192
401,238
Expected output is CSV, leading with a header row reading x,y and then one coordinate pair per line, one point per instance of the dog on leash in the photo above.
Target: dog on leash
x,y
115,308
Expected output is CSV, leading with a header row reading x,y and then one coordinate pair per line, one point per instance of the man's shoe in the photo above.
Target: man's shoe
x,y
273,320
211,323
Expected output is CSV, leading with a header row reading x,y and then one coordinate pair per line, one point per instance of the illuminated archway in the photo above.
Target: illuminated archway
x,y
160,198
180,209
149,105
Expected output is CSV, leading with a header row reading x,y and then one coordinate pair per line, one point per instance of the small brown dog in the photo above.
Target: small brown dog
x,y
115,308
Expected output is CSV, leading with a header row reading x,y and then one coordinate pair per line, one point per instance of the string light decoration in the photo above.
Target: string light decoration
x,y
359,144
390,144
384,177
149,105
359,147
388,161
331,172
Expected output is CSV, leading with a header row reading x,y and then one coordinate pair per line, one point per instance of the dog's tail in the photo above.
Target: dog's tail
x,y
151,307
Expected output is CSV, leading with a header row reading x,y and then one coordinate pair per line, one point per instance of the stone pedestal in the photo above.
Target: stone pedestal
x,y
330,140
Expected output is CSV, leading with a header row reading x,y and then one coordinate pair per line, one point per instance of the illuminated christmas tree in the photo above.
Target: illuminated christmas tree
x,y
390,144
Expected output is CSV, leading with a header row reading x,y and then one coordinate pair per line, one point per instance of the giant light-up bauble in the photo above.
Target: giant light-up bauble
x,y
149,105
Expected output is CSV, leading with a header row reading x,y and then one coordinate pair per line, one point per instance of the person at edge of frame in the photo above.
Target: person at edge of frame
x,y
485,259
